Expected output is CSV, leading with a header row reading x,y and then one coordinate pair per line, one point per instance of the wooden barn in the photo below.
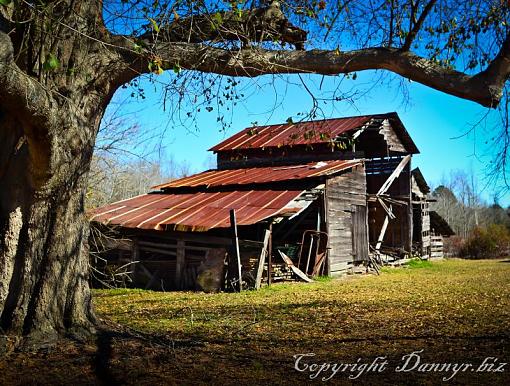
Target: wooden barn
x,y
294,200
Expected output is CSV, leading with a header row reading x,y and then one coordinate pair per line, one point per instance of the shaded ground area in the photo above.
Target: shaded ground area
x,y
453,312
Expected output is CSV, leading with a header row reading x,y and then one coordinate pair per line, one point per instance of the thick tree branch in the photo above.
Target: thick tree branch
x,y
484,88
173,47
260,24
18,89
497,72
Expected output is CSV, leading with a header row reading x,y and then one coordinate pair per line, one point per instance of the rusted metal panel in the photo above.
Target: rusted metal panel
x,y
261,174
291,134
312,133
195,212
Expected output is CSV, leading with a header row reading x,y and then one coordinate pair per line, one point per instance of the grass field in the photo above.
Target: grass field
x,y
456,311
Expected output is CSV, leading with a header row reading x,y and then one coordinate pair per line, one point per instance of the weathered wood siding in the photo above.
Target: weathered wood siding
x,y
343,194
436,250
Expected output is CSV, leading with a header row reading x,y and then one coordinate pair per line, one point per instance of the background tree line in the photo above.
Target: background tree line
x,y
128,161
482,229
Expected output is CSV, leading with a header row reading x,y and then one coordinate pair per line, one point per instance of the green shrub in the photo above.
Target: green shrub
x,y
485,243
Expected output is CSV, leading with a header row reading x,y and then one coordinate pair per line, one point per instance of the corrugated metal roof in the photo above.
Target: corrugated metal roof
x,y
197,211
261,174
300,133
310,132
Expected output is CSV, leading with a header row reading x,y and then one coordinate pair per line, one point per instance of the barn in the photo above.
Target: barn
x,y
287,201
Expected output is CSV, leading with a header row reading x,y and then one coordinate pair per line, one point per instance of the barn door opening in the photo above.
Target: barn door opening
x,y
359,233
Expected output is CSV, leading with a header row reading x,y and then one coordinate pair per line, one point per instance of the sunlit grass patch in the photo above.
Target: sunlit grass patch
x,y
419,263
450,298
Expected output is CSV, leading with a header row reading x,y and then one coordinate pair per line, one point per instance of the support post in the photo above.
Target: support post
x,y
179,262
269,253
262,260
235,247
383,232
135,257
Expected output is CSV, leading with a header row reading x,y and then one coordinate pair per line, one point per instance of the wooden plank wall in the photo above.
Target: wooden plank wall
x,y
436,247
342,193
360,233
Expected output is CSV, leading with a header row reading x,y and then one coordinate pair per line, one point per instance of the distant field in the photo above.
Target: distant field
x,y
456,311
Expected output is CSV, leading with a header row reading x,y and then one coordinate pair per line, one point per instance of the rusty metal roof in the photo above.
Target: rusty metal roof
x,y
301,133
306,133
260,175
196,211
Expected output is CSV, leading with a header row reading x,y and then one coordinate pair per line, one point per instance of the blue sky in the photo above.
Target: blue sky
x,y
437,122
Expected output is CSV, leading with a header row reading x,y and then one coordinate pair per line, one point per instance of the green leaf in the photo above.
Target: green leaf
x,y
51,63
137,48
290,120
177,68
216,21
5,2
155,26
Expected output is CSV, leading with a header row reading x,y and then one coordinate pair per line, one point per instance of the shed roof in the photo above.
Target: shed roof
x,y
261,175
440,225
309,132
420,180
197,211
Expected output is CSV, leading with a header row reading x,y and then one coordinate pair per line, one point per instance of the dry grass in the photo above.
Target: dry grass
x,y
455,310
453,298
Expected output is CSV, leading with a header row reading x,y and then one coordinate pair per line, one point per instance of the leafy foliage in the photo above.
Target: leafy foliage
x,y
490,242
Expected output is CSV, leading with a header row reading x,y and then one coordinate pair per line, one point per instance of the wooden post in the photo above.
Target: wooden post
x,y
179,262
135,256
383,232
262,260
269,252
235,247
410,214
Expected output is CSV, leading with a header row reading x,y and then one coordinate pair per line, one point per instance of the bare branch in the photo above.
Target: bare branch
x,y
417,26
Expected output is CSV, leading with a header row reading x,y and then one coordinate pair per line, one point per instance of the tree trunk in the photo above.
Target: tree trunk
x,y
44,291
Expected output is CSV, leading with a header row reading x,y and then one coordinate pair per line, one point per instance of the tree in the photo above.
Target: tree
x,y
62,60
118,172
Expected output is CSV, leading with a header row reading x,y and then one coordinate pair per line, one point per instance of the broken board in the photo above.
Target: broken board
x,y
294,269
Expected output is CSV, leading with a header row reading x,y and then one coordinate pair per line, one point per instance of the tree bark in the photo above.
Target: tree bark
x,y
44,290
49,118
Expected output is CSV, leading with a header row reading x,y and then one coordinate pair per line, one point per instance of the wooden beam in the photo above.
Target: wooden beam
x,y
179,262
235,248
294,269
387,209
394,175
158,250
135,257
200,237
262,259
269,253
382,233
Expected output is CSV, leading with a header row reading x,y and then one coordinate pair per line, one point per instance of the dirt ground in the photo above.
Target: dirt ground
x,y
441,323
